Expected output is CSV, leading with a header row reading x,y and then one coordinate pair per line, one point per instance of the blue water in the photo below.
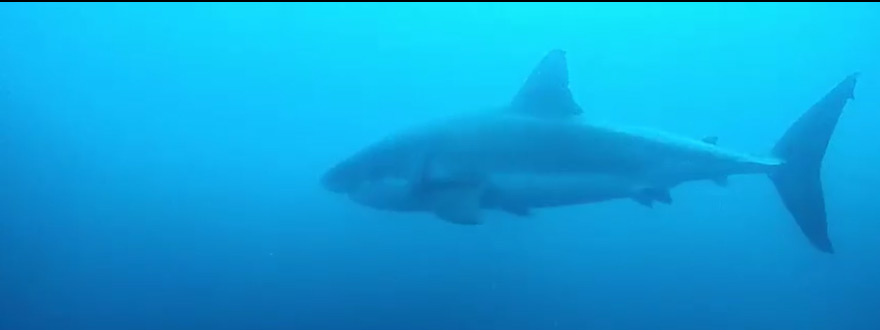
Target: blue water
x,y
159,167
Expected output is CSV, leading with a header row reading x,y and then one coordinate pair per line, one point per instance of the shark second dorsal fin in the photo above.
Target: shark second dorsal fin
x,y
546,93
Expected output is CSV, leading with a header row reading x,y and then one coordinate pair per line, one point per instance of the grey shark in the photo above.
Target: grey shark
x,y
467,153
544,95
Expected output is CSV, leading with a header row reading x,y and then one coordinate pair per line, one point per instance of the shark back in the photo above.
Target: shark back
x,y
545,94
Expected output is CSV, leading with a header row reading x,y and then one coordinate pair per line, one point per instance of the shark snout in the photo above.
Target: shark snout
x,y
340,180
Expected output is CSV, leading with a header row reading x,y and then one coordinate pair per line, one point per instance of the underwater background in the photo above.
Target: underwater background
x,y
160,165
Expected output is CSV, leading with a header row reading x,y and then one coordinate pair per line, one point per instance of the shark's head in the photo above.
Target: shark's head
x,y
344,178
380,161
545,94
387,194
348,176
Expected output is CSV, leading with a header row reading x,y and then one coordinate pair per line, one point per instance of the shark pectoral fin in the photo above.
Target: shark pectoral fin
x,y
721,181
454,196
517,210
646,196
459,205
429,177
644,200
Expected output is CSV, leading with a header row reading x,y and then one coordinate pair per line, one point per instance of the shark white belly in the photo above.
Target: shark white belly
x,y
517,194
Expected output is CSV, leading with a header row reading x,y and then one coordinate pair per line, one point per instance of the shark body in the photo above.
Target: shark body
x,y
454,167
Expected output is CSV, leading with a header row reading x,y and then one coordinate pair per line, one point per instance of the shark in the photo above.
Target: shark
x,y
547,95
544,95
453,164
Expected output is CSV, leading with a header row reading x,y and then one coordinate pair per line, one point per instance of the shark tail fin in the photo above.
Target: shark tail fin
x,y
802,149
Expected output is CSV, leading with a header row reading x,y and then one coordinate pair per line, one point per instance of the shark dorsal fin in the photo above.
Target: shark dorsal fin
x,y
546,93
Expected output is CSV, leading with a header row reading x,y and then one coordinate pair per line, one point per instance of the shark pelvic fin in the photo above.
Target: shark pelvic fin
x,y
721,181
